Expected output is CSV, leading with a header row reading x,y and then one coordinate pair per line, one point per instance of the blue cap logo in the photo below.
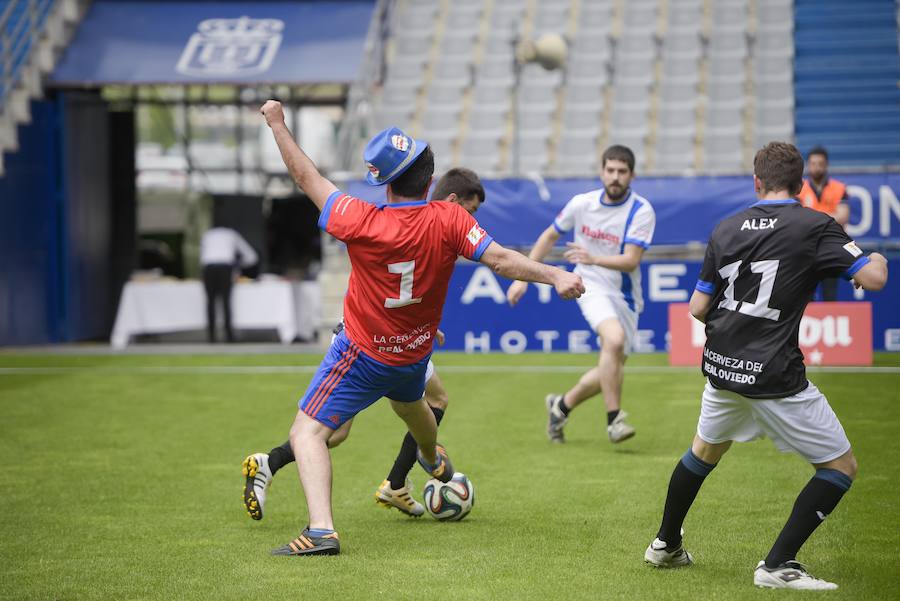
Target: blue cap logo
x,y
389,154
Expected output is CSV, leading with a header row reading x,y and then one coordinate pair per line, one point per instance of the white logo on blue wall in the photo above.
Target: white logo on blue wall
x,y
229,47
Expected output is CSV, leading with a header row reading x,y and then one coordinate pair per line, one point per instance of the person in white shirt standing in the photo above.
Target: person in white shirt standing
x,y
221,250
613,227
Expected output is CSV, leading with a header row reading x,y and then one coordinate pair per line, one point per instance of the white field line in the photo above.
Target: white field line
x,y
453,369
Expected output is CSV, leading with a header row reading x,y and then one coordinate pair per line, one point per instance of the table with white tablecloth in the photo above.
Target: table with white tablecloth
x,y
166,306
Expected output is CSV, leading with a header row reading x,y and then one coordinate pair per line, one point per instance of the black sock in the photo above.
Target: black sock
x,y
406,458
280,457
562,406
687,477
610,416
817,499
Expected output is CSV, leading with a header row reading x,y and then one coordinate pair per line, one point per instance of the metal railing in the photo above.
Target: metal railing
x,y
21,23
357,122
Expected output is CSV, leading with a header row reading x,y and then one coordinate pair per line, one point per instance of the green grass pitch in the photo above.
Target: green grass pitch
x,y
123,482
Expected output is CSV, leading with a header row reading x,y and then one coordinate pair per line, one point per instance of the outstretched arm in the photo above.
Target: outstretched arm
x,y
516,266
544,244
626,262
540,250
301,168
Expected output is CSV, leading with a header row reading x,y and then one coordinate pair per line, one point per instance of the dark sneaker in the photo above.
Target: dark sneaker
x,y
443,471
790,574
258,477
556,419
306,544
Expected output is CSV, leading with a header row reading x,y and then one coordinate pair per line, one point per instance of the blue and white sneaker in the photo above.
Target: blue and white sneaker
x,y
443,470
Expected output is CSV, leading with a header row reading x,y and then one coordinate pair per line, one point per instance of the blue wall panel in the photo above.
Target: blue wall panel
x,y
29,225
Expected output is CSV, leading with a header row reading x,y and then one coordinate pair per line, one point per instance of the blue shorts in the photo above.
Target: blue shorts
x,y
348,381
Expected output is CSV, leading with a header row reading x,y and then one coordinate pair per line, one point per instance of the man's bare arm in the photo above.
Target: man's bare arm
x,y
544,244
541,249
700,304
626,262
304,172
516,266
873,275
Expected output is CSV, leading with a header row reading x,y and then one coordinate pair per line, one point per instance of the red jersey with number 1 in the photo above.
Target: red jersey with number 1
x,y
402,256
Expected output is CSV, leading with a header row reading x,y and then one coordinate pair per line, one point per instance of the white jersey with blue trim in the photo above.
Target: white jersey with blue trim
x,y
604,228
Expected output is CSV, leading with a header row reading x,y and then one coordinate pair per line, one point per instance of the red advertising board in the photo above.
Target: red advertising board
x,y
830,334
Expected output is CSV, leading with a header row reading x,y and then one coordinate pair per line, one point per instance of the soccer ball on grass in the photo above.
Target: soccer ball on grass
x,y
450,501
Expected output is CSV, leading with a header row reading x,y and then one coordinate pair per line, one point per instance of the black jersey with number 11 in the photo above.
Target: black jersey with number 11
x,y
761,268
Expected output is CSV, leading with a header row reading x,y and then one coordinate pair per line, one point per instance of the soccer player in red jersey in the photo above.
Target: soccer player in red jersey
x,y
402,255
459,185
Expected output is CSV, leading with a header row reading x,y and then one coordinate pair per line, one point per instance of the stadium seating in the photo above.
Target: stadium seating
x,y
846,70
691,85
32,34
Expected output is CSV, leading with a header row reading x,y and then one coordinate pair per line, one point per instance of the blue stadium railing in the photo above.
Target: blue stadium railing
x,y
21,22
845,80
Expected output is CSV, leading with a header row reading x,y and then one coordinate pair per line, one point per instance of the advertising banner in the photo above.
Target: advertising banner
x,y
516,211
478,319
830,334
195,42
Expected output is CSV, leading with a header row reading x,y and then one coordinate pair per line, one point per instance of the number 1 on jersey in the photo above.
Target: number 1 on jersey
x,y
406,269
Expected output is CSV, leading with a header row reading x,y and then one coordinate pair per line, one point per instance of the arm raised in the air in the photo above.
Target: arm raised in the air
x,y
305,173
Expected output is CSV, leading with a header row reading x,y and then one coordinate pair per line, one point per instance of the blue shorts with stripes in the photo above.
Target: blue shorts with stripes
x,y
348,381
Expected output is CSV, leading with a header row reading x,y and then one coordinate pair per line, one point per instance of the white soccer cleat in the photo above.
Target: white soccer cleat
x,y
618,430
657,555
258,477
790,574
556,420
400,499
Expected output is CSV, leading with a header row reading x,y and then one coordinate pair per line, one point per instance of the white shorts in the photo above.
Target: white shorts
x,y
597,307
804,423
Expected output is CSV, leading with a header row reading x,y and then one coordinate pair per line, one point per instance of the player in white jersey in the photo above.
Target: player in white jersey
x,y
613,227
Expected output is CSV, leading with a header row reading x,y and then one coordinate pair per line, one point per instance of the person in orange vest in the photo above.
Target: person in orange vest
x,y
826,195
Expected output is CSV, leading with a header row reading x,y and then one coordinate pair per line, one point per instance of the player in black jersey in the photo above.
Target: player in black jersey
x,y
760,271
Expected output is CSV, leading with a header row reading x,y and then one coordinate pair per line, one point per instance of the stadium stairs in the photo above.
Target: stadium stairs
x,y
34,34
846,74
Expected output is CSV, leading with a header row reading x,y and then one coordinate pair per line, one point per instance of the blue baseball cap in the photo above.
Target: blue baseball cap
x,y
389,154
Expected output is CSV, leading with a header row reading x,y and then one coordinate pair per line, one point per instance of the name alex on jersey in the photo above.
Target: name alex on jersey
x,y
759,224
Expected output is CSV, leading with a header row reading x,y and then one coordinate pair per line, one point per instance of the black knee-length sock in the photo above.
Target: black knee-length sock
x,y
687,477
406,458
817,499
280,457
